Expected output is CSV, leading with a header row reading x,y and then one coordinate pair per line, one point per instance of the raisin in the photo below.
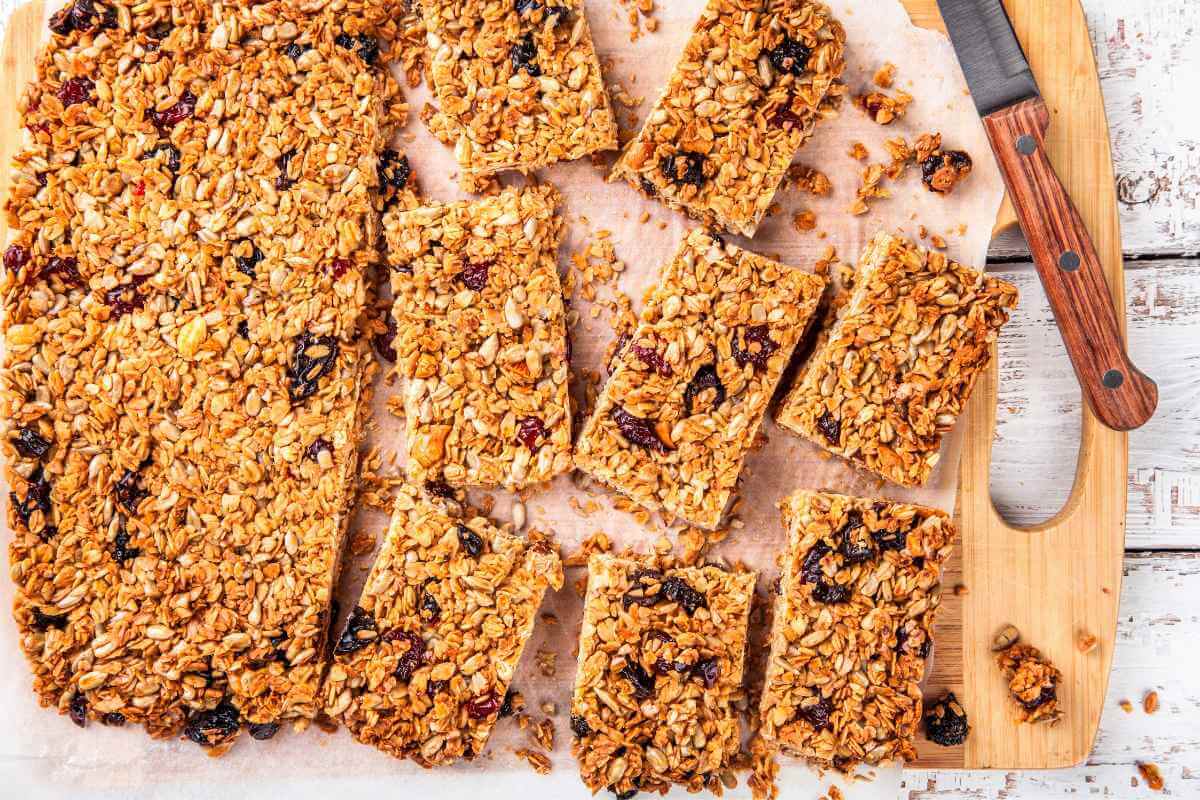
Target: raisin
x,y
628,794
114,719
121,551
642,681
650,357
810,568
919,562
1047,694
946,722
890,540
470,541
126,298
637,430
558,12
855,543
43,621
313,358
160,30
506,708
170,117
60,21
830,593
262,731
366,47
684,168
174,157
830,427
77,16
677,590
648,188
942,171
78,709
410,662
65,267
664,667
295,50
339,267
360,620
579,726
440,489
529,431
524,54
434,688
790,56
475,276
707,671
817,714
75,90
129,493
705,378
754,346
393,170
784,117
31,444
314,450
247,264
15,257
283,182
214,726
483,706
243,329
37,498
385,342
638,595
430,612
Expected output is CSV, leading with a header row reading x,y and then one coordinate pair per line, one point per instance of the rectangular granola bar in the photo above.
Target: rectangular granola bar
x,y
852,627
481,345
425,660
183,375
660,667
753,81
518,81
675,421
897,367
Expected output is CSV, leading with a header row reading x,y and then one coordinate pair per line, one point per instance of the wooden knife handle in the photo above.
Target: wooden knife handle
x,y
1119,394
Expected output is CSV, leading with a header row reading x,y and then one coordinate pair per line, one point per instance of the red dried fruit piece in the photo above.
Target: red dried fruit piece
x,y
484,706
170,117
339,267
15,257
637,430
78,709
314,450
810,568
784,116
753,346
529,431
707,671
75,90
66,268
830,427
37,498
384,342
642,681
475,276
139,189
31,444
126,298
817,714
360,620
214,726
650,357
410,662
854,541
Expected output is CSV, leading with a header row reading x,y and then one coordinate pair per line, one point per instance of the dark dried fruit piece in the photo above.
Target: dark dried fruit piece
x,y
506,708
684,168
31,444
366,47
247,264
664,667
942,171
430,611
790,56
339,267
78,709
579,726
75,90
410,662
128,492
854,541
170,117
318,446
470,541
784,117
946,722
174,157
817,714
159,31
66,268
637,430
37,498
294,50
475,276
61,22
393,170
642,681
677,590
121,551
15,257
1047,694
483,706
705,378
114,719
529,431
830,593
440,489
313,357
43,621
754,346
651,358
707,671
214,726
243,329
434,688
890,540
524,56
384,342
283,182
126,298
830,427
262,731
359,622
810,568
648,188
638,595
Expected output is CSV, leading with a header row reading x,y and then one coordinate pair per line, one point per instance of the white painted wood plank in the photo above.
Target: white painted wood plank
x,y
1158,647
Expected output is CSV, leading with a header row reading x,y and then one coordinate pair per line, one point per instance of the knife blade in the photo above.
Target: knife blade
x,y
1015,118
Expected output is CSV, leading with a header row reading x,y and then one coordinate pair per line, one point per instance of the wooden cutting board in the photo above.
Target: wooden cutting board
x,y
1055,582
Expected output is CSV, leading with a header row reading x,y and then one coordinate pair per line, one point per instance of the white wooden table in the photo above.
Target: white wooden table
x,y
1149,58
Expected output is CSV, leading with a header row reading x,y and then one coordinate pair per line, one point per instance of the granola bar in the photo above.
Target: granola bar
x,y
1032,683
518,81
689,390
183,377
423,665
660,668
482,347
852,628
898,365
753,82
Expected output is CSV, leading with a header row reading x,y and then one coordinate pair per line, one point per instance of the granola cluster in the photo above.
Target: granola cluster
x,y
481,346
1032,682
897,367
660,667
424,663
753,81
518,82
690,387
182,379
852,628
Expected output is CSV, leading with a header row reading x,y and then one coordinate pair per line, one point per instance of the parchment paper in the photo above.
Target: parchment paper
x,y
43,751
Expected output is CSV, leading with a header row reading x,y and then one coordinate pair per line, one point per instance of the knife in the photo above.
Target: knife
x,y
1015,119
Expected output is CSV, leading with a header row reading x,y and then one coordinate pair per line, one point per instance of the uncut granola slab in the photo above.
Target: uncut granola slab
x,y
422,668
183,375
898,365
660,667
747,93
674,423
852,628
482,344
519,82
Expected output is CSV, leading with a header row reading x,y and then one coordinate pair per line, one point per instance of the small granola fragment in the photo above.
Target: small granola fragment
x,y
885,76
804,221
809,179
1150,702
1032,682
1151,775
946,722
538,761
883,108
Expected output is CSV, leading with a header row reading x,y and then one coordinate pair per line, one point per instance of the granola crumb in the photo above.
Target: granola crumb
x,y
543,734
1126,706
883,108
937,241
835,793
809,179
1033,683
538,761
547,662
1151,774
961,590
1150,702
804,221
885,76
1086,643
858,151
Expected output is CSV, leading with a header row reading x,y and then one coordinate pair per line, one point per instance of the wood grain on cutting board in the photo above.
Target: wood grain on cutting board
x,y
1056,581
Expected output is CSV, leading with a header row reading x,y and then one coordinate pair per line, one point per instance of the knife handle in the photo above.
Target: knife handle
x,y
1119,394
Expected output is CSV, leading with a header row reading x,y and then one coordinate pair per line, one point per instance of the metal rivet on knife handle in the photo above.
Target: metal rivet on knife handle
x,y
1026,145
1069,261
1113,379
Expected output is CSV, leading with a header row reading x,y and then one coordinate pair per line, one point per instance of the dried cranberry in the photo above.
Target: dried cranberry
x,y
318,446
707,671
121,551
126,298
677,590
410,661
262,731
830,593
15,257
37,498
637,430
77,16
283,181
784,117
174,157
483,706
946,722
470,541
139,189
524,54
705,378
31,444
642,681
475,276
810,569
638,595
78,709
339,267
43,621
440,489
366,47
529,431
170,117
60,21
684,168
1047,694
313,357
214,726
360,620
129,493
75,90
854,541
650,357
113,719
754,346
295,50
393,170
579,726
790,56
817,714
430,612
384,342
830,427
434,688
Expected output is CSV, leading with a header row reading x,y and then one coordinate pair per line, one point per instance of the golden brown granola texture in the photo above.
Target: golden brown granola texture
x,y
423,666
852,628
660,668
192,216
1032,682
898,365
753,82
